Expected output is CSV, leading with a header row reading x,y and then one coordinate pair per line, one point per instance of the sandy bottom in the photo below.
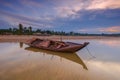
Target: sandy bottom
x,y
100,60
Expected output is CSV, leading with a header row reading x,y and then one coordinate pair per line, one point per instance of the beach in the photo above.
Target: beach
x,y
20,62
23,38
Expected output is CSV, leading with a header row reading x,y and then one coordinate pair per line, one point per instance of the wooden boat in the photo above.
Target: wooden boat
x,y
55,45
71,57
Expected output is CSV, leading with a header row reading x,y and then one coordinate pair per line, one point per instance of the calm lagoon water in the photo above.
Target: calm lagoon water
x,y
100,60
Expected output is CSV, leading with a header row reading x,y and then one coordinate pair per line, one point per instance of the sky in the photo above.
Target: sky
x,y
83,16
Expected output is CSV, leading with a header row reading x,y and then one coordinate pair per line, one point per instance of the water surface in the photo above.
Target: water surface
x,y
100,60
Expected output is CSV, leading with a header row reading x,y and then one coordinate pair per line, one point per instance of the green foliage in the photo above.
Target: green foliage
x,y
28,31
20,29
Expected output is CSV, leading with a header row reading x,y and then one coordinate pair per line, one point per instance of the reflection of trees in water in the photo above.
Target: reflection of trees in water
x,y
21,44
69,56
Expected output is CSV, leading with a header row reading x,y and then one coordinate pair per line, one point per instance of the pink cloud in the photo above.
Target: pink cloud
x,y
67,8
114,29
103,4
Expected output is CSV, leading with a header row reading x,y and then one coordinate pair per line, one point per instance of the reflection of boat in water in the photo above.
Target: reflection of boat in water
x,y
58,46
69,56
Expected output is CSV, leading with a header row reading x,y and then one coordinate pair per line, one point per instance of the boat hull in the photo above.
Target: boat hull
x,y
70,48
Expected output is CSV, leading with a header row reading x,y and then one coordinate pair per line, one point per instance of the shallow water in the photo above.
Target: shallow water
x,y
100,60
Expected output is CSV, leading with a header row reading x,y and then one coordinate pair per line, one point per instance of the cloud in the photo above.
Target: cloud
x,y
16,19
62,8
64,11
70,8
65,14
104,4
113,29
31,3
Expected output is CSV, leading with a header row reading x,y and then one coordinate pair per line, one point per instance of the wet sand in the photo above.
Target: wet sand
x,y
98,61
23,38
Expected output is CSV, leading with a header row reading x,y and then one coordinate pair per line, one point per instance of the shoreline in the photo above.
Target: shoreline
x,y
23,38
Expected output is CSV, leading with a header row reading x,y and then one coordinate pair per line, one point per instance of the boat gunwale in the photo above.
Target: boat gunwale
x,y
72,47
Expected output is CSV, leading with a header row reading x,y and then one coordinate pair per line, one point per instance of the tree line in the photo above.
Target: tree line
x,y
17,31
28,31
